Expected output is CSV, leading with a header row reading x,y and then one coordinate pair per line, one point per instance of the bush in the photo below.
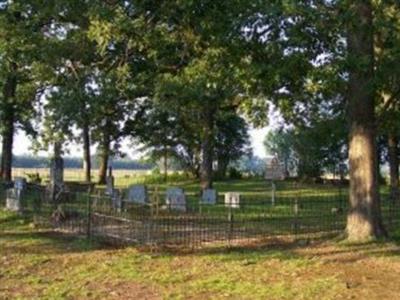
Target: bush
x,y
234,173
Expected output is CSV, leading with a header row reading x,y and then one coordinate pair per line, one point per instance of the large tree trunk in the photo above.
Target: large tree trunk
x,y
364,219
8,126
207,148
87,164
56,173
7,148
223,163
394,166
104,156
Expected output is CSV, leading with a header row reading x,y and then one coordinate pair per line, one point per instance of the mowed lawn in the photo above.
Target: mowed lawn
x,y
39,264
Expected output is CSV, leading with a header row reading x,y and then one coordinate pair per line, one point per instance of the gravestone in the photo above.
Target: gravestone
x,y
232,200
14,195
275,170
116,200
19,183
138,194
109,185
13,201
209,196
176,199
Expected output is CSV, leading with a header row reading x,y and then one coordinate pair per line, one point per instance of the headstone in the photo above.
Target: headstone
x,y
19,183
109,185
275,170
13,200
209,196
138,194
116,199
232,200
14,195
176,199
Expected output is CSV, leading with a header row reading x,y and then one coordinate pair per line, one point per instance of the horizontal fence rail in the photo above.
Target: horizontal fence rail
x,y
300,211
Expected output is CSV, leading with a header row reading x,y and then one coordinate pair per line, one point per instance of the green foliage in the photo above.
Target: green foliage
x,y
309,151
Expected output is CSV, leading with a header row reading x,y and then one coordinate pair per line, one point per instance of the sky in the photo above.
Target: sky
x,y
22,145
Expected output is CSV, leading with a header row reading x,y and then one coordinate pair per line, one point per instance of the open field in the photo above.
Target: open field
x,y
38,264
122,177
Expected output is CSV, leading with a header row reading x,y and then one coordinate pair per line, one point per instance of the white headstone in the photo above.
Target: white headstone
x,y
138,194
19,183
176,199
232,200
13,200
209,196
275,170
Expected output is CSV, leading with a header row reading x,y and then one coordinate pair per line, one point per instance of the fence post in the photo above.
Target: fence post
x,y
296,210
89,216
273,192
231,220
296,216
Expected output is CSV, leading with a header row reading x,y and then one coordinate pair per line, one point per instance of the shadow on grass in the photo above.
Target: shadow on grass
x,y
48,241
16,236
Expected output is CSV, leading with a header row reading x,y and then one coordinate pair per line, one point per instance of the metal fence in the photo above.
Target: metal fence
x,y
299,212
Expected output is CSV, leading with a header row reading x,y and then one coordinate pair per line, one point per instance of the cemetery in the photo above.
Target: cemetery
x,y
172,216
199,149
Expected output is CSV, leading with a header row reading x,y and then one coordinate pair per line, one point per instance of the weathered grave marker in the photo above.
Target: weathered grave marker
x,y
13,202
176,199
274,171
14,195
209,196
232,200
116,199
20,183
109,185
138,194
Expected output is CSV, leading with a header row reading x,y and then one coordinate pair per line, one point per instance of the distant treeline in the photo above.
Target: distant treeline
x,y
27,161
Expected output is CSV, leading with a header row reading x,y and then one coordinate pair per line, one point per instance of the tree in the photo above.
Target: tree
x,y
280,143
22,48
231,140
364,220
310,150
324,54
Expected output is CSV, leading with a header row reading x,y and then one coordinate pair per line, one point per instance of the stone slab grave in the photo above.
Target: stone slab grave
x,y
232,200
209,196
176,199
14,195
138,194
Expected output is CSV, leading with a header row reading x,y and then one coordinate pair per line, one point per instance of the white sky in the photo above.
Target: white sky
x,y
22,145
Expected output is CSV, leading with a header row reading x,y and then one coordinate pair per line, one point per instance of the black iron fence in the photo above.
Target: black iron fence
x,y
297,212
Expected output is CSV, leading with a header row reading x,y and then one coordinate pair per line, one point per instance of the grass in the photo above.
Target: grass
x,y
36,263
314,213
40,265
